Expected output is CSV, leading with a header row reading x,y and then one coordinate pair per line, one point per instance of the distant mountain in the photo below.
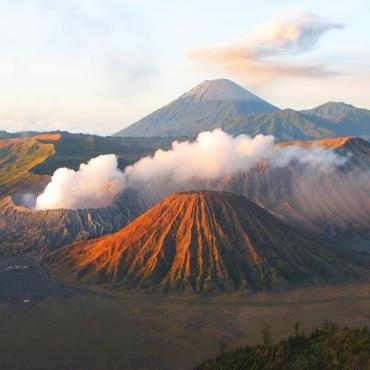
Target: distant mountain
x,y
350,121
286,124
5,134
223,104
203,242
199,109
333,111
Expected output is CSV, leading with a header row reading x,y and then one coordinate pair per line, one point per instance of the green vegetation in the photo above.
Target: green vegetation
x,y
73,149
25,160
328,347
17,158
133,330
283,125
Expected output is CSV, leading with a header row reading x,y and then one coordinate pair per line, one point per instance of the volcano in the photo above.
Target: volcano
x,y
222,103
202,241
25,230
199,109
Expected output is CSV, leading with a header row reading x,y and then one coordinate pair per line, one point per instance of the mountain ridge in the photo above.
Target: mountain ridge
x,y
350,120
222,103
220,89
198,109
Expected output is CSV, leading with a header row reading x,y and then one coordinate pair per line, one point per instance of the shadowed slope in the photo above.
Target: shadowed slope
x,y
334,205
198,110
350,120
202,241
223,104
328,347
36,231
286,124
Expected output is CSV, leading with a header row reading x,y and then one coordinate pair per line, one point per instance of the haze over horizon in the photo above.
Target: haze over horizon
x,y
98,66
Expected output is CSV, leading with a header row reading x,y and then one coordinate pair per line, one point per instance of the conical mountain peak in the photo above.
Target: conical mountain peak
x,y
202,242
200,109
220,90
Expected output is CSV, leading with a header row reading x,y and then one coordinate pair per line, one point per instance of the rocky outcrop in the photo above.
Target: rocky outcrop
x,y
36,231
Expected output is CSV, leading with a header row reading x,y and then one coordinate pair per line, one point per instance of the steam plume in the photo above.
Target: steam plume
x,y
188,165
216,154
94,185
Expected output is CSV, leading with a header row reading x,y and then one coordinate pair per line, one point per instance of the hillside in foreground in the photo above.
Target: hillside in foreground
x,y
326,348
134,330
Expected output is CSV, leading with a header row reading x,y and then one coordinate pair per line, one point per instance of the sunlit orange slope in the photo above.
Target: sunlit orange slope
x,y
18,156
202,241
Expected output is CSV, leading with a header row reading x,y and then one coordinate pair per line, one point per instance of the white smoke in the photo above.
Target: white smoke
x,y
212,155
187,165
94,185
216,154
28,199
314,158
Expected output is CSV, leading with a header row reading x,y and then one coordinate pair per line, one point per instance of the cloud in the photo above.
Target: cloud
x,y
78,63
285,35
290,32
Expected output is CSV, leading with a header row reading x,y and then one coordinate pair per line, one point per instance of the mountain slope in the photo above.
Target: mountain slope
x,y
5,135
334,205
27,162
202,242
17,158
283,125
198,110
24,230
350,121
223,104
329,347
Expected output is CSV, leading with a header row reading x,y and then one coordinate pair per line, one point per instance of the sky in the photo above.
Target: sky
x,y
97,66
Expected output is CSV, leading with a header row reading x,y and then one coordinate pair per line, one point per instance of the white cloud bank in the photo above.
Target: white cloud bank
x,y
261,52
